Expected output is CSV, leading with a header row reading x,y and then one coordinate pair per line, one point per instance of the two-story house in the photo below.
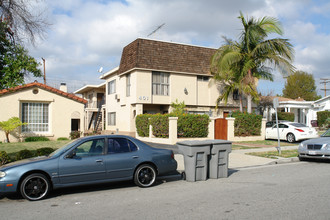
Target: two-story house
x,y
152,75
95,107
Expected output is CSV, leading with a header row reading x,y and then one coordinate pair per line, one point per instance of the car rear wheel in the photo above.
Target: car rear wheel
x,y
145,175
35,187
290,138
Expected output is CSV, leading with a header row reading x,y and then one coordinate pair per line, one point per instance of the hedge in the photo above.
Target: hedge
x,y
36,138
193,125
322,117
142,124
24,154
247,124
189,125
288,116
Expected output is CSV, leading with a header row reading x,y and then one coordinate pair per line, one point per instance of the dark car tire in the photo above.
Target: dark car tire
x,y
145,175
35,187
302,158
290,138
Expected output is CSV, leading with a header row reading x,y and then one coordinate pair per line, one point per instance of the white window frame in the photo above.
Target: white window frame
x,y
37,117
128,85
111,118
112,87
160,83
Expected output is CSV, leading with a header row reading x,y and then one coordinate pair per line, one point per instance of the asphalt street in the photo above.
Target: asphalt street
x,y
289,191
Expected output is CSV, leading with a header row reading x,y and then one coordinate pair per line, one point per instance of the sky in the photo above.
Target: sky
x,y
85,35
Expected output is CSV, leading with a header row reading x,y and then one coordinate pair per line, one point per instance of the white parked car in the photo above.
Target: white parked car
x,y
291,132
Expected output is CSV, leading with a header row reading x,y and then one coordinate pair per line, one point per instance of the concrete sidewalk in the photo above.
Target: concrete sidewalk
x,y
239,158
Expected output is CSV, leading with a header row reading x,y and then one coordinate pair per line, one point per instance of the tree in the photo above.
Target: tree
x,y
240,64
23,20
300,85
10,125
178,107
15,62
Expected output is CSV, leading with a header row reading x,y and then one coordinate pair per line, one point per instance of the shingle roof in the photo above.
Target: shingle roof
x,y
45,87
166,56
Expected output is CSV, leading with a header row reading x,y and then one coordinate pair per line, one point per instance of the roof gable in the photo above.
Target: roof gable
x,y
166,56
45,87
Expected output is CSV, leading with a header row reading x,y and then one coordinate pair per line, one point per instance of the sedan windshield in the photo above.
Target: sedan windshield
x,y
63,149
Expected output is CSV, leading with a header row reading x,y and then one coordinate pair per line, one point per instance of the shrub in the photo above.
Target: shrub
x,y
142,124
247,124
37,138
4,158
322,117
288,116
160,125
23,154
75,134
44,151
190,125
62,139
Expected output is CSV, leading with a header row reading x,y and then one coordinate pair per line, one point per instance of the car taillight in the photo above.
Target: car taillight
x,y
300,130
172,155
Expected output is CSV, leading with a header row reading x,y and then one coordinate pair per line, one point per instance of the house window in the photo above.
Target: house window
x,y
236,94
111,118
160,83
203,78
128,85
37,117
112,87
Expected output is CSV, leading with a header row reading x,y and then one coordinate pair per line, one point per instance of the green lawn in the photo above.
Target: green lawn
x,y
17,146
274,154
268,142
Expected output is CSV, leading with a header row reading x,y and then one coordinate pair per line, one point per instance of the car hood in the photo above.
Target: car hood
x,y
321,140
25,161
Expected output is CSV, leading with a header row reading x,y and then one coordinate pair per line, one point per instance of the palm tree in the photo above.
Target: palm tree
x,y
240,64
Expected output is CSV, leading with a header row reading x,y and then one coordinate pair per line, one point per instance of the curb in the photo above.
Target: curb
x,y
285,160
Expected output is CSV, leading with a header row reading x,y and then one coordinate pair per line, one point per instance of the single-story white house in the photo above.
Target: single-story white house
x,y
304,111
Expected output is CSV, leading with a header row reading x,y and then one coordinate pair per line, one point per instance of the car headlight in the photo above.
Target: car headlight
x,y
326,146
302,146
2,174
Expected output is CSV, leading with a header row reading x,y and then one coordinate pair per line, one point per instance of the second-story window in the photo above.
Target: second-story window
x,y
160,83
128,85
112,87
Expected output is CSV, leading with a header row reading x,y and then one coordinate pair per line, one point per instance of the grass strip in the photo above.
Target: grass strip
x,y
275,155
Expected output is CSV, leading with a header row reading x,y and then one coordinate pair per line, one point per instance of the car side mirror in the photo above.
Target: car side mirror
x,y
71,155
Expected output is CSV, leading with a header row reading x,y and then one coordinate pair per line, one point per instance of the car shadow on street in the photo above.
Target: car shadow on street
x,y
175,176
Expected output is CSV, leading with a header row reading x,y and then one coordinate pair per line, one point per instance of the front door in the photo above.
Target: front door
x,y
84,163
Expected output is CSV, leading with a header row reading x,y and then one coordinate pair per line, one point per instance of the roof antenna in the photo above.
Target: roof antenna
x,y
154,31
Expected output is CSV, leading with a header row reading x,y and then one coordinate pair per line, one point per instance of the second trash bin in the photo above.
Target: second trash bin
x,y
195,155
218,164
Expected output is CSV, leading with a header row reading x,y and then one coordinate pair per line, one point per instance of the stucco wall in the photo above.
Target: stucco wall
x,y
60,111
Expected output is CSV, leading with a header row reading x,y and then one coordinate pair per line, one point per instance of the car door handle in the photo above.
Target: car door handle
x,y
99,161
135,157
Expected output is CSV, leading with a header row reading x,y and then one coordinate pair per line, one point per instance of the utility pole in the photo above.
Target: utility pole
x,y
325,81
44,61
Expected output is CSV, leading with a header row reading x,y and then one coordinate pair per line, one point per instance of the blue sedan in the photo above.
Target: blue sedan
x,y
88,160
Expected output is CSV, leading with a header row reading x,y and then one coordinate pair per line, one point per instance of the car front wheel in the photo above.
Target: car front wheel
x,y
145,175
35,187
290,138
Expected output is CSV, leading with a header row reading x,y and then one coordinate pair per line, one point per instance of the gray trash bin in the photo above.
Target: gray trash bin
x,y
195,155
218,164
